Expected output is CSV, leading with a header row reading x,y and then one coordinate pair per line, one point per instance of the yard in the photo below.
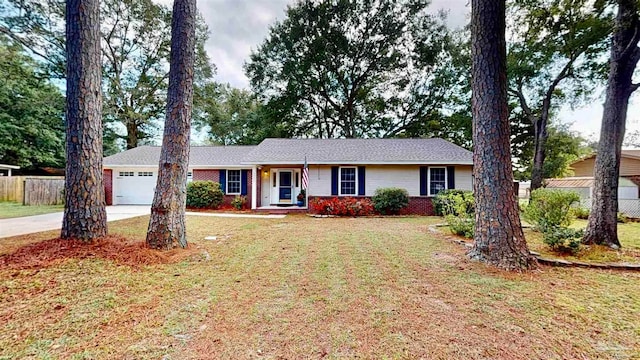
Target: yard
x,y
10,210
301,287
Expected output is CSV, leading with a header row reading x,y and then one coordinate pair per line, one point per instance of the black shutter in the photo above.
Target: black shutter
x,y
451,177
361,180
334,180
223,181
243,182
424,173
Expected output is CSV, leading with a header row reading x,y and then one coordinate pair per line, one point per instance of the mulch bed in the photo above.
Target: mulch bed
x,y
114,248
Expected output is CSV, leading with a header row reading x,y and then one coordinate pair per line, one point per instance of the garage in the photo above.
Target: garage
x,y
133,186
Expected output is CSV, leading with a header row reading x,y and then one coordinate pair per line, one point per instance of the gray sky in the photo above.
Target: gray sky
x,y
238,26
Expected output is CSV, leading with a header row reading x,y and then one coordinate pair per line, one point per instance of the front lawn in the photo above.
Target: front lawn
x,y
303,287
13,210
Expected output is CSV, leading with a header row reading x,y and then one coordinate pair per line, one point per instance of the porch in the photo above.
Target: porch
x,y
282,209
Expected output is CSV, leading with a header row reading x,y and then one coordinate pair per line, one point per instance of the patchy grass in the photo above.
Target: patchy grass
x,y
302,287
629,235
10,210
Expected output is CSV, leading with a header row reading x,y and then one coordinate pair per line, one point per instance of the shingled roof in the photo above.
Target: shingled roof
x,y
200,156
317,151
358,151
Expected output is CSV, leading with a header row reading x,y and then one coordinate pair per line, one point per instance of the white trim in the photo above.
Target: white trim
x,y
446,181
340,181
197,167
434,162
226,180
244,165
254,187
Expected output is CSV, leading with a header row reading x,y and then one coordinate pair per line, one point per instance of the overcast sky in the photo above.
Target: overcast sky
x,y
238,26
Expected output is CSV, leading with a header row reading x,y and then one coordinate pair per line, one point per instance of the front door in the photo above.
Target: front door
x,y
285,186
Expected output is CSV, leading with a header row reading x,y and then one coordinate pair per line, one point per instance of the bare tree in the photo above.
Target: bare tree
x,y
84,211
499,239
167,223
603,227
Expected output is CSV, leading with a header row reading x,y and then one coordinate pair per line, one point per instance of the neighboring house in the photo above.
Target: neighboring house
x,y
584,186
629,166
269,174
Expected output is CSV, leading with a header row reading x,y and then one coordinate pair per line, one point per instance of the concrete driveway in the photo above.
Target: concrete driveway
x,y
53,221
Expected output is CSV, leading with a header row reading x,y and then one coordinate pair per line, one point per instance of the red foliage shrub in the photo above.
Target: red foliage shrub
x,y
346,206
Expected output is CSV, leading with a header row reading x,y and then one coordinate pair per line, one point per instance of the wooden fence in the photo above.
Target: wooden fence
x,y
32,190
43,191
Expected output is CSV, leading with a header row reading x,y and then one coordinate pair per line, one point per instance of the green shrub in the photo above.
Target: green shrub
x,y
581,213
551,208
461,225
622,218
563,239
238,202
454,202
204,194
390,200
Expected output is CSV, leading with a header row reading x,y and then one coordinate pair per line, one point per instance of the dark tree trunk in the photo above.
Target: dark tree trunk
x,y
603,227
132,134
539,153
85,217
167,222
499,239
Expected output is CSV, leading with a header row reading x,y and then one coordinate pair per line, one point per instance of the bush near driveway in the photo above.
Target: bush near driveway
x,y
204,195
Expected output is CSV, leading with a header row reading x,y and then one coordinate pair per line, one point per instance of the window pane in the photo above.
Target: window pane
x,y
233,181
348,181
437,180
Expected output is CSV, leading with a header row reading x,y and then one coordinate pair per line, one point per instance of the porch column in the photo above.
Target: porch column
x,y
254,187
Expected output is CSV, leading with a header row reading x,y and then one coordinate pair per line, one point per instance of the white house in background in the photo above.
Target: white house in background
x,y
5,170
269,174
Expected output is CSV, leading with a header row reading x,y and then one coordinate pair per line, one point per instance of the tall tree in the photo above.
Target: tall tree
x,y
135,51
85,216
167,223
498,238
553,56
234,116
31,112
563,148
603,227
352,68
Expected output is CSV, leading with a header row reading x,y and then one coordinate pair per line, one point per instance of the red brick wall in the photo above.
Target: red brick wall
x,y
214,175
418,205
107,175
204,175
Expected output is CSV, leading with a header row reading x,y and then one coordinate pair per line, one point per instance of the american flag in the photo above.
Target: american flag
x,y
305,174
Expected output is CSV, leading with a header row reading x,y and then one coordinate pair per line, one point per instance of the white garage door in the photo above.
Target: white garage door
x,y
134,187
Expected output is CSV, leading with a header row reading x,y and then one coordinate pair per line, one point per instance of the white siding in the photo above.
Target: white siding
x,y
464,177
319,180
377,176
404,177
628,192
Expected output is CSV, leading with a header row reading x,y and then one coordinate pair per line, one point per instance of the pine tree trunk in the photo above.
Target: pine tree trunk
x,y
603,227
499,239
85,216
167,222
